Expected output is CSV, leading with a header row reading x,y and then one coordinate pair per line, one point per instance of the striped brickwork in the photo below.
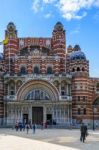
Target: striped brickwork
x,y
44,53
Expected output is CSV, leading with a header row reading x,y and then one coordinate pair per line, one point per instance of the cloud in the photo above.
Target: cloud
x,y
48,15
36,6
69,9
49,1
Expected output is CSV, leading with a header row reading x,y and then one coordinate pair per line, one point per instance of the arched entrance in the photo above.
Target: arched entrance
x,y
49,88
35,96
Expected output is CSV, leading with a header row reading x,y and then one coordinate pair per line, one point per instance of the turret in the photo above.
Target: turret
x,y
1,88
77,62
59,44
11,31
11,48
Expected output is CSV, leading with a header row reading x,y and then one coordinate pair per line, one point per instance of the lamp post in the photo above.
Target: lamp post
x,y
93,119
94,110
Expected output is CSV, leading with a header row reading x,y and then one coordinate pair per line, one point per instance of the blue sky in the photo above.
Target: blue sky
x,y
36,18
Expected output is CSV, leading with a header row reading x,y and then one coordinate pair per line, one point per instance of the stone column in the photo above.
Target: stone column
x,y
44,114
30,113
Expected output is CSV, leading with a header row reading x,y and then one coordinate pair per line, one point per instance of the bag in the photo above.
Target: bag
x,y
87,133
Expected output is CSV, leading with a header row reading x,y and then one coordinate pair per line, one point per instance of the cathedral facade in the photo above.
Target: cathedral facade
x,y
43,80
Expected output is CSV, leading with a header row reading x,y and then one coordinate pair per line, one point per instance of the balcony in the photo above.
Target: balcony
x,y
65,98
10,98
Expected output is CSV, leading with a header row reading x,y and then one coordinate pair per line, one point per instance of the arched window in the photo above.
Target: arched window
x,y
49,70
36,70
73,70
12,88
37,94
78,98
78,69
84,111
79,111
23,70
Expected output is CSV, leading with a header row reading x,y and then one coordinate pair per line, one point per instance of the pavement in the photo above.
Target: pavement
x,y
47,139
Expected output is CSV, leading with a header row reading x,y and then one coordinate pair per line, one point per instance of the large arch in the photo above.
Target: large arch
x,y
42,84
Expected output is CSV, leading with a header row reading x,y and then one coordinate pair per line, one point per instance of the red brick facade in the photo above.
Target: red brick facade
x,y
65,70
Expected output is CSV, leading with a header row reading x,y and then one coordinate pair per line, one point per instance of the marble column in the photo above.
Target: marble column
x,y
30,113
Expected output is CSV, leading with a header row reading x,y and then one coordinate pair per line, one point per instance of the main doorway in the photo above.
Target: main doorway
x,y
25,118
37,115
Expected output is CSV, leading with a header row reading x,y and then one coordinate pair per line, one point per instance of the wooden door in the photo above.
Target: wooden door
x,y
37,115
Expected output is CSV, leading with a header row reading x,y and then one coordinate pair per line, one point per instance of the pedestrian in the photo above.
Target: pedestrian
x,y
34,128
86,131
16,126
46,125
83,133
27,127
23,126
20,126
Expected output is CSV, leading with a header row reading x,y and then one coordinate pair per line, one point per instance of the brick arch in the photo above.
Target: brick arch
x,y
32,84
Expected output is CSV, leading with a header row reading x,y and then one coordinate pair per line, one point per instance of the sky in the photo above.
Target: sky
x,y
36,18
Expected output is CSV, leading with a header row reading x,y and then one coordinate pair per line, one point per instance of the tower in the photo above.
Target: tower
x,y
1,89
79,69
59,44
11,48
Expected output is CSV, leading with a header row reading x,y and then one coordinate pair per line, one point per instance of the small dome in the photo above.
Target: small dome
x,y
69,47
58,26
76,55
11,25
1,56
77,48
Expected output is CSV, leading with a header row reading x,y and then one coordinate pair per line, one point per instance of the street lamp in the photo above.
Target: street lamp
x,y
94,110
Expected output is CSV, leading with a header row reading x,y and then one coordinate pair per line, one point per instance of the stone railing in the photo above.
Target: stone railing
x,y
38,76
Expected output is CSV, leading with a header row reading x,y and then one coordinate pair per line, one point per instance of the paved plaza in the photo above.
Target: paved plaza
x,y
47,139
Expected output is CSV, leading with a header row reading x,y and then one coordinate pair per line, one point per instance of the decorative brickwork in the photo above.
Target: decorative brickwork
x,y
43,73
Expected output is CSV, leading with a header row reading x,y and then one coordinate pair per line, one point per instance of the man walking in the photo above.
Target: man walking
x,y
83,132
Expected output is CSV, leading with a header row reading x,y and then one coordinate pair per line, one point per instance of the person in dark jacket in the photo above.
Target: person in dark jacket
x,y
83,130
27,128
34,127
